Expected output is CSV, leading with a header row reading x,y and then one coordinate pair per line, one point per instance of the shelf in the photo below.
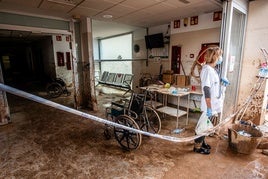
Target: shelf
x,y
172,111
159,52
153,104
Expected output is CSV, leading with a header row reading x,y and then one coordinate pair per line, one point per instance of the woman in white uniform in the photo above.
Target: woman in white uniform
x,y
212,100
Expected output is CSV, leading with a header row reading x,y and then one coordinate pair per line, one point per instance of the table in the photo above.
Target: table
x,y
175,112
196,96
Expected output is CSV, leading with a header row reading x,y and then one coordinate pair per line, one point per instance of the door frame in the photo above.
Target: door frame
x,y
225,43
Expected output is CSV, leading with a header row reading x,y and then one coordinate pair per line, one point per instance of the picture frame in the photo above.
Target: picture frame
x,y
217,16
176,24
60,58
68,61
194,20
58,38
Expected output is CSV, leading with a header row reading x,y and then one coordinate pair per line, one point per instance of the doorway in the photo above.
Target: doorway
x,y
22,57
176,60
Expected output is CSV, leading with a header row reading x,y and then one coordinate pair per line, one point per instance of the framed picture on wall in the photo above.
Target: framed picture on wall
x,y
217,16
194,20
176,24
68,61
60,58
58,38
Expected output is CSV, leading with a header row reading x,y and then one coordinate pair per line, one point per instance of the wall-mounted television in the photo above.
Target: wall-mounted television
x,y
154,41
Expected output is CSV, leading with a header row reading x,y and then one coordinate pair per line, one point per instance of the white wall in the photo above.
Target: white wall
x,y
190,43
205,21
61,71
189,38
138,38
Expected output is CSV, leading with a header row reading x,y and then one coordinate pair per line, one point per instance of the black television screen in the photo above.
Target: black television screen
x,y
154,41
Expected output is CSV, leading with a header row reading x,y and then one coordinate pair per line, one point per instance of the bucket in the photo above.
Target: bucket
x,y
242,143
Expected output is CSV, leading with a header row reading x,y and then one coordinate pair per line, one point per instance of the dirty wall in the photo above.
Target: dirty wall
x,y
256,38
61,45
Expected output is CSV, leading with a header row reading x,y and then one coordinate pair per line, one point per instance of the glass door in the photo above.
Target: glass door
x,y
232,41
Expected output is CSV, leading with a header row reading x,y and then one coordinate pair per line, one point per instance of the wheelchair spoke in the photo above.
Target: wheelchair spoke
x,y
152,120
132,140
127,139
54,90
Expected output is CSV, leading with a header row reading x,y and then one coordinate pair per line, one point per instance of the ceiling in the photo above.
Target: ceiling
x,y
142,13
139,13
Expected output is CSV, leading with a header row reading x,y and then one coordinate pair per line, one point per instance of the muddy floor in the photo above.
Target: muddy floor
x,y
43,142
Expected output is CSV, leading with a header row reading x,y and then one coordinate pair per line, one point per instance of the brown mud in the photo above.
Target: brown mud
x,y
43,142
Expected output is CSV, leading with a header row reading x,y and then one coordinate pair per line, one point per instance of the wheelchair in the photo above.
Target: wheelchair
x,y
56,88
134,113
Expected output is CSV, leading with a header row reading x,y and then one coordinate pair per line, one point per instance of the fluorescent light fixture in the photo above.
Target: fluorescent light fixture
x,y
107,16
65,2
184,1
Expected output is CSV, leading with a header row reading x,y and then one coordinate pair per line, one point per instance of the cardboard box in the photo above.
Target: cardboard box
x,y
168,78
182,80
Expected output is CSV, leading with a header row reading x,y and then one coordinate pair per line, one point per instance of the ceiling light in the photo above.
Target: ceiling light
x,y
107,16
66,2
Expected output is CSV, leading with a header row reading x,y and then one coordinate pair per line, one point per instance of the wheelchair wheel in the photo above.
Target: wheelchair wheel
x,y
128,140
107,133
108,129
54,90
151,121
66,92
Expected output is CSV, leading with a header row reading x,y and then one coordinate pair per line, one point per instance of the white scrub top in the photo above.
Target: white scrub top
x,y
209,77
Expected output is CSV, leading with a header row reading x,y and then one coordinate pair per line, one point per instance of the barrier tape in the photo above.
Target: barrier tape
x,y
101,120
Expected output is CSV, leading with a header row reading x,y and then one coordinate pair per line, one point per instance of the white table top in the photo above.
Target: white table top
x,y
167,91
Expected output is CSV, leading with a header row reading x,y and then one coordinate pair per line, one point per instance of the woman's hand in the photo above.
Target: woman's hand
x,y
225,82
209,112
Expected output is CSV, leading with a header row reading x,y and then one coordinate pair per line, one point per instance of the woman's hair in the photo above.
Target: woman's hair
x,y
212,54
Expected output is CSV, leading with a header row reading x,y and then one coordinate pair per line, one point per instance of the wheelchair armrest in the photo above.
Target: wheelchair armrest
x,y
121,103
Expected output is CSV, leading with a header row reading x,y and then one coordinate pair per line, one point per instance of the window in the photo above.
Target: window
x,y
117,47
116,54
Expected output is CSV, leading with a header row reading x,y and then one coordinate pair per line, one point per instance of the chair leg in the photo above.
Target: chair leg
x,y
126,92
